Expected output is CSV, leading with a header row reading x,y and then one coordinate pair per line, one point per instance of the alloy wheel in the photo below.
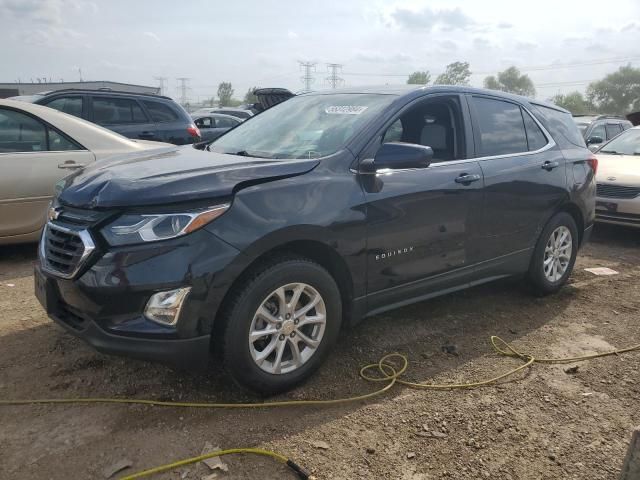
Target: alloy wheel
x,y
287,328
557,254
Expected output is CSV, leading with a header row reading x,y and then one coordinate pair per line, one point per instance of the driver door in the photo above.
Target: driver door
x,y
421,223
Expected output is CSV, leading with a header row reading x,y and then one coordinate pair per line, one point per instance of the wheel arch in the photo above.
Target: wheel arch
x,y
575,212
314,250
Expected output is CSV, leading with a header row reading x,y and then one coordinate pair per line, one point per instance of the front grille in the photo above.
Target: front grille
x,y
617,191
63,250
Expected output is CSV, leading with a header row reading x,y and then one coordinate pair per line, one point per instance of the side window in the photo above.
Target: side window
x,y
435,122
599,131
160,112
393,133
222,122
60,143
204,122
21,133
117,111
70,105
612,130
535,137
501,127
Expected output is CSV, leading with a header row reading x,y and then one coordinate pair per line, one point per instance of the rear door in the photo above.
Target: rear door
x,y
33,158
75,105
123,115
524,173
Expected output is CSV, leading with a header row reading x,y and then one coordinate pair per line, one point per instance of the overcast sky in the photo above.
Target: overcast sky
x,y
259,42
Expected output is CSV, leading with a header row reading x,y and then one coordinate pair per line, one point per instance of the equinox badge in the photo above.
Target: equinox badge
x,y
393,253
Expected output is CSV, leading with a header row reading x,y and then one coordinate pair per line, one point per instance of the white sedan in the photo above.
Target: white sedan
x,y
40,146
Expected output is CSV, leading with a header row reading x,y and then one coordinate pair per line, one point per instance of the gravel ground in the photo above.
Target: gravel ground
x,y
543,424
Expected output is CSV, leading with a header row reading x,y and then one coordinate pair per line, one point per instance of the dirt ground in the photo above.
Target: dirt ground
x,y
545,424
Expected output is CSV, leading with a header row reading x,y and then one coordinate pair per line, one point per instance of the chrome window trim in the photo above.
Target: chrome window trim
x,y
549,145
87,243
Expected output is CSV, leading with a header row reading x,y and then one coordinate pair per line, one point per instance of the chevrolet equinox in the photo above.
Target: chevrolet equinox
x,y
325,209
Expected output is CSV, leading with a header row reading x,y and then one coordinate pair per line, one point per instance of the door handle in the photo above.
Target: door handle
x,y
70,164
466,178
147,135
548,166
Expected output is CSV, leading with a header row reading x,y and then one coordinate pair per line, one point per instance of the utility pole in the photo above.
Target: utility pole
x,y
308,68
80,73
183,88
333,79
162,81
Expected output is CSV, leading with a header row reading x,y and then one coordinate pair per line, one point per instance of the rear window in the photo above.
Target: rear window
x,y
560,123
501,127
222,122
160,112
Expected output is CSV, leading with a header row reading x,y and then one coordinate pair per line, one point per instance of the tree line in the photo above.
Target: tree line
x,y
616,93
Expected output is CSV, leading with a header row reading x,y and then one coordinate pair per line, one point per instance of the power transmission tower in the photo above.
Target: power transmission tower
x,y
308,68
162,82
183,88
333,79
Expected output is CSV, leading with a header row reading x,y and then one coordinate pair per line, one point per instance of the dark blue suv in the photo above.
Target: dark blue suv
x,y
322,210
134,115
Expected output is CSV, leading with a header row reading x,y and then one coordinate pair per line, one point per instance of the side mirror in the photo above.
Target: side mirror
x,y
594,139
399,155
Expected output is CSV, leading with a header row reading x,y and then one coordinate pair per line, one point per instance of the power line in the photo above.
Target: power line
x,y
183,88
534,68
162,81
308,68
333,79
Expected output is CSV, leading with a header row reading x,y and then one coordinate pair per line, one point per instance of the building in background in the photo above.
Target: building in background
x,y
13,89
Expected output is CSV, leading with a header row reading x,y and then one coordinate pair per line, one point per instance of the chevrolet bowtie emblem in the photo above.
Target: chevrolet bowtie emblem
x,y
53,214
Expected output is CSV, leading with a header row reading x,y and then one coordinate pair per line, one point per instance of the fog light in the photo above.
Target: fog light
x,y
164,307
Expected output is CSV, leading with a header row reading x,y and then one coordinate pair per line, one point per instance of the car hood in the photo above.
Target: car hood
x,y
171,175
619,169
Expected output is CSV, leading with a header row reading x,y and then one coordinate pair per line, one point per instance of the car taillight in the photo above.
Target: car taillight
x,y
593,163
193,131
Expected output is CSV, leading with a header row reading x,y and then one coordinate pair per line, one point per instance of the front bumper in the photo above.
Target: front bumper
x,y
618,211
104,304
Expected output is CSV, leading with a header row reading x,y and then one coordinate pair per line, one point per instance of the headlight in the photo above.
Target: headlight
x,y
139,228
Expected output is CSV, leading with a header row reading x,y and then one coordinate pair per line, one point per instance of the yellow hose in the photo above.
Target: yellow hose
x,y
389,368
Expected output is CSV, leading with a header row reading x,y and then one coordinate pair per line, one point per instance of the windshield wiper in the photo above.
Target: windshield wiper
x,y
244,153
611,152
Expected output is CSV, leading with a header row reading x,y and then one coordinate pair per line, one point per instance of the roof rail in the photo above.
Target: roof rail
x,y
599,116
103,89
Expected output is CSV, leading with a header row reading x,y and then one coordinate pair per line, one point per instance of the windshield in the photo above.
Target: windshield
x,y
308,126
627,143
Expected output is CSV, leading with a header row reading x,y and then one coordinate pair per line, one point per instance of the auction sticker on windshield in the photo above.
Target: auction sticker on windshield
x,y
345,109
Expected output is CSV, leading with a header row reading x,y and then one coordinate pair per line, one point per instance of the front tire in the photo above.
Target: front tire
x,y
555,254
281,325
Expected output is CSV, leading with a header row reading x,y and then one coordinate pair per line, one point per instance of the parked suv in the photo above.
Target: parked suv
x,y
598,129
134,115
320,211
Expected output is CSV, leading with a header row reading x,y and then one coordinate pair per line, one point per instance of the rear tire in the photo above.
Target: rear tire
x,y
281,325
554,255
